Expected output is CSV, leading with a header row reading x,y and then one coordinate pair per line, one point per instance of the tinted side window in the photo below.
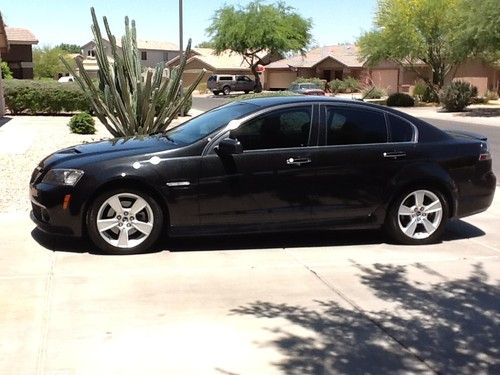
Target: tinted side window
x,y
225,78
353,126
279,129
400,130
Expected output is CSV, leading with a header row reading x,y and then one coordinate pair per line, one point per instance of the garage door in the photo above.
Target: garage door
x,y
386,79
280,80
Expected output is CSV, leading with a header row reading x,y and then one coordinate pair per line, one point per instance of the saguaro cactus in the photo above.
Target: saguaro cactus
x,y
125,98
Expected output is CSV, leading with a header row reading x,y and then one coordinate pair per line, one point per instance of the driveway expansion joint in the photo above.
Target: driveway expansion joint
x,y
363,313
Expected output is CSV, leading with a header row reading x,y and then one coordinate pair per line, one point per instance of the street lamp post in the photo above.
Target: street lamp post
x,y
180,29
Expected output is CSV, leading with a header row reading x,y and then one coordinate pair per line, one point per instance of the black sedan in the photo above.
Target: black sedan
x,y
268,164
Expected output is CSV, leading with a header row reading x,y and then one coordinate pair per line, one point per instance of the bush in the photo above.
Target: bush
x,y
456,96
202,87
348,85
44,97
400,100
82,123
321,83
5,70
419,91
265,95
373,93
490,95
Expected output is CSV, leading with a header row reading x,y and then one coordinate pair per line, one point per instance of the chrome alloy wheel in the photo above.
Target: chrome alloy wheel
x,y
420,214
125,220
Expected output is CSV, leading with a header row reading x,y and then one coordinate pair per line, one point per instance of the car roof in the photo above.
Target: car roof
x,y
272,101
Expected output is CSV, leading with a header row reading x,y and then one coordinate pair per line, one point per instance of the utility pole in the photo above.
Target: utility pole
x,y
181,44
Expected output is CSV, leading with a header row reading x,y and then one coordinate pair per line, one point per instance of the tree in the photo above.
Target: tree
x,y
479,29
205,44
259,28
70,48
411,31
47,63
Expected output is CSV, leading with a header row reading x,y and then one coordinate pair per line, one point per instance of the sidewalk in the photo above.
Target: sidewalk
x,y
475,114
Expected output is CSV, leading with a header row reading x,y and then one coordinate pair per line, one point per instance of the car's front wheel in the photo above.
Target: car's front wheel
x,y
124,221
417,217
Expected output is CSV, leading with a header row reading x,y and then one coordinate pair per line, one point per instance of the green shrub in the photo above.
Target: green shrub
x,y
321,83
457,95
373,93
400,99
419,91
265,95
490,95
430,96
82,123
202,87
348,85
44,97
5,70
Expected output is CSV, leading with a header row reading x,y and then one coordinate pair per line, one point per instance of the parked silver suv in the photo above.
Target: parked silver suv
x,y
226,83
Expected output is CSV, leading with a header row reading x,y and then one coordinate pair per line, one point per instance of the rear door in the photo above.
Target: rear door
x,y
355,164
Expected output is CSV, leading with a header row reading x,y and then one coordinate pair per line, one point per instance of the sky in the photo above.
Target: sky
x,y
68,21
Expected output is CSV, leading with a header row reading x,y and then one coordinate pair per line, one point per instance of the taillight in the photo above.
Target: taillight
x,y
484,156
485,152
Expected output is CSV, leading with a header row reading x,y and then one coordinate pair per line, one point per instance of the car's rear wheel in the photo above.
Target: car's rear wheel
x,y
216,92
226,90
124,221
417,217
246,91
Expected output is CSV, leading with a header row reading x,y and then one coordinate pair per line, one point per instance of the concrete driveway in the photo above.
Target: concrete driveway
x,y
323,303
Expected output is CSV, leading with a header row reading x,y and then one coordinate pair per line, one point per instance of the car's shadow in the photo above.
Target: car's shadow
x,y
455,230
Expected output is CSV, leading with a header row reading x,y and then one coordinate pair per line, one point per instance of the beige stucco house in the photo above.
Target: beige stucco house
x,y
227,62
20,53
152,53
340,61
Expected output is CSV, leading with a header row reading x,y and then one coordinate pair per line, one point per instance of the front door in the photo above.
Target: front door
x,y
269,185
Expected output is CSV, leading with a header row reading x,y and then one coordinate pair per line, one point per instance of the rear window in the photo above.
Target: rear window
x,y
212,78
400,130
225,78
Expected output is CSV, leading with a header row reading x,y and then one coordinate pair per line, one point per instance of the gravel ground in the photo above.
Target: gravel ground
x,y
24,142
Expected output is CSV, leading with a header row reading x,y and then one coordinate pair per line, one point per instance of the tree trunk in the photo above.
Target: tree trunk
x,y
258,83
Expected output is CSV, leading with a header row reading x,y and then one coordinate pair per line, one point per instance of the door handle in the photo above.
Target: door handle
x,y
297,161
394,154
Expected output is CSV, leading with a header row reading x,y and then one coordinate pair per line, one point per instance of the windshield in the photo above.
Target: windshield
x,y
205,124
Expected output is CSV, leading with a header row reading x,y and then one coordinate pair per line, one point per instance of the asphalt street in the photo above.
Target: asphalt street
x,y
492,132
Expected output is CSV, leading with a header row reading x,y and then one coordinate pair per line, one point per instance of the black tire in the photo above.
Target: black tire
x,y
151,215
216,92
226,90
246,91
395,223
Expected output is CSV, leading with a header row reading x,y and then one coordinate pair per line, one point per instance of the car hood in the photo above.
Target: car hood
x,y
103,150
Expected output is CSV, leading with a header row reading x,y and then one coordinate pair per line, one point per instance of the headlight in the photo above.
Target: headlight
x,y
63,177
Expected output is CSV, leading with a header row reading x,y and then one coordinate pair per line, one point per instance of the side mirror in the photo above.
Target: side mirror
x,y
229,146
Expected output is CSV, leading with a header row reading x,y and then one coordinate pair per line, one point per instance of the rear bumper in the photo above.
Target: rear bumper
x,y
476,196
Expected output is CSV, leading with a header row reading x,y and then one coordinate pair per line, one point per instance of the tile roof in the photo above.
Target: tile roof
x,y
227,60
347,55
16,35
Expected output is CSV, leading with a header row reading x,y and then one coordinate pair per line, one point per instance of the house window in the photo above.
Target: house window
x,y
144,55
91,53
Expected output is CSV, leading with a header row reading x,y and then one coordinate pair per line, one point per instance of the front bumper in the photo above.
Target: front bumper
x,y
48,212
